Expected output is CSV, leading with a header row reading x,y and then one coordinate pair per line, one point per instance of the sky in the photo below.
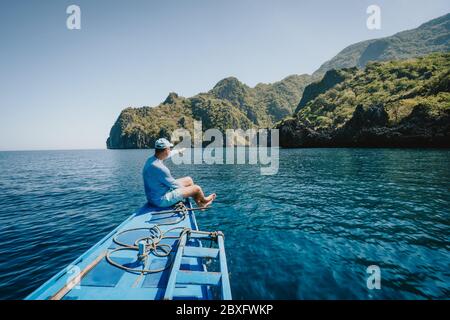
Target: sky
x,y
64,89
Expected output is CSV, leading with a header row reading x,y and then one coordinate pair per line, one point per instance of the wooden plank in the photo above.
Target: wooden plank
x,y
198,277
168,295
72,283
200,252
226,289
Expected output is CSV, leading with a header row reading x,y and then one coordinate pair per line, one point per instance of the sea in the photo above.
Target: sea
x,y
330,224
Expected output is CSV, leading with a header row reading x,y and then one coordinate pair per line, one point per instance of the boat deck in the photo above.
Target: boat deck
x,y
93,277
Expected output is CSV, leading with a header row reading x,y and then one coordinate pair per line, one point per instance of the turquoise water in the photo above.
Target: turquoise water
x,y
308,232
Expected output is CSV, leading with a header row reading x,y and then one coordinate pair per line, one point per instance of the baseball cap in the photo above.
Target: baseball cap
x,y
163,143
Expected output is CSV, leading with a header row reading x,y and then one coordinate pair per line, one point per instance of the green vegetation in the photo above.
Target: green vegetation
x,y
329,80
401,103
230,104
398,86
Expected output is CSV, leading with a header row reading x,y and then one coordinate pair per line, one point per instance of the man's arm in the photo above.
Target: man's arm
x,y
176,151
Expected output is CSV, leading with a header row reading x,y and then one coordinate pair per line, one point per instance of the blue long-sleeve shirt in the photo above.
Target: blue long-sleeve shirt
x,y
157,180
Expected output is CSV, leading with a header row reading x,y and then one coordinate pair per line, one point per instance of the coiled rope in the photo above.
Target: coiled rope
x,y
151,244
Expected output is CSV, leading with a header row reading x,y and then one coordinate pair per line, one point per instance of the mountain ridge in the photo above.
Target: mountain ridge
x,y
431,36
229,104
233,104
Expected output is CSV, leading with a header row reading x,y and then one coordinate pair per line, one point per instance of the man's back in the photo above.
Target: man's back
x,y
157,180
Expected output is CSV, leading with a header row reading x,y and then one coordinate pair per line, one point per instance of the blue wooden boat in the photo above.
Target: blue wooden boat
x,y
154,254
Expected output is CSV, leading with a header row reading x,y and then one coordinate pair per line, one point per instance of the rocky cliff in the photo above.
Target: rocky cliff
x,y
229,105
398,103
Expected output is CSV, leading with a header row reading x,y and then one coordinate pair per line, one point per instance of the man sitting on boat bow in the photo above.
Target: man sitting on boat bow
x,y
161,188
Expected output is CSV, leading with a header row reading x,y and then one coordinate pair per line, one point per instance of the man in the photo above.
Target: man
x,y
161,188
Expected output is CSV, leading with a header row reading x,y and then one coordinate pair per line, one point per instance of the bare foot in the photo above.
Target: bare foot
x,y
209,200
199,203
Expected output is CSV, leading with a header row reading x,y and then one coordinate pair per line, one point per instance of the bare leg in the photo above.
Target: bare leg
x,y
197,193
185,181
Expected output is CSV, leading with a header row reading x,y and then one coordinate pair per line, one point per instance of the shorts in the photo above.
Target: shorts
x,y
170,198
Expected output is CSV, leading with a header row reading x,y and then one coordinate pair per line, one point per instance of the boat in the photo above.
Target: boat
x,y
154,254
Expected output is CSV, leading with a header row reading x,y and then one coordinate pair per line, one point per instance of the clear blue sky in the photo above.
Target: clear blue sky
x,y
63,89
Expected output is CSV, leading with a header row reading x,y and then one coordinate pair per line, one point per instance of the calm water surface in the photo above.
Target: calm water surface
x,y
308,232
